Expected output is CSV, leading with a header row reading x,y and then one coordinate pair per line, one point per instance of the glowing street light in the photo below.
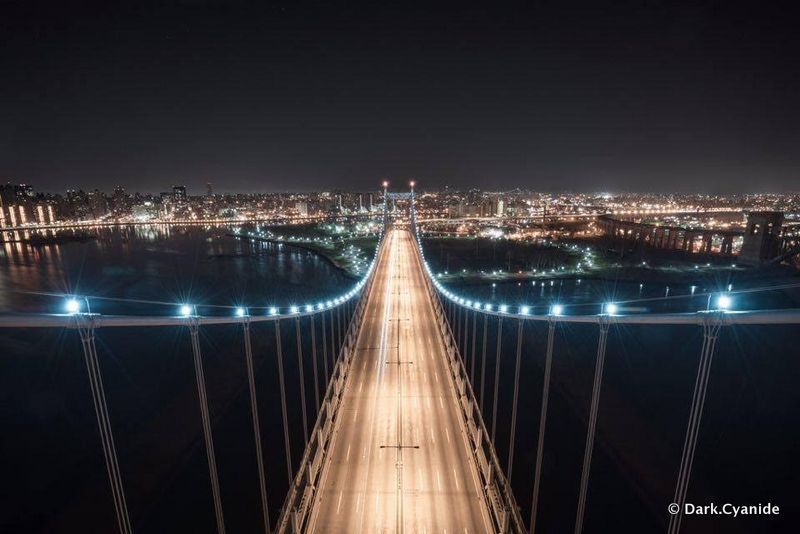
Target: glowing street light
x,y
72,306
240,311
186,310
611,308
556,309
724,302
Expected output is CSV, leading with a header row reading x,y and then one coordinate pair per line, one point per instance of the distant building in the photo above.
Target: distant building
x,y
145,211
19,205
302,208
762,237
498,207
179,194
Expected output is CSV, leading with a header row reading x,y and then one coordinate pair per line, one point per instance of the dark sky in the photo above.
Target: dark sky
x,y
264,96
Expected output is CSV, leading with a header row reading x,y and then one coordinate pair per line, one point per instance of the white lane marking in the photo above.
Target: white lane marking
x,y
358,503
447,433
347,457
455,477
438,480
339,504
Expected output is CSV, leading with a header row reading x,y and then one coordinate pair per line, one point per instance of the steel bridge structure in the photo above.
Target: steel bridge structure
x,y
324,339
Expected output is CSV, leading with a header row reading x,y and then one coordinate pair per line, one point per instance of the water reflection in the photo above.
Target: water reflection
x,y
160,264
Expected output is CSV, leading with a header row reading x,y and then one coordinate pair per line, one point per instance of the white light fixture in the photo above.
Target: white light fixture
x,y
240,312
72,306
611,308
186,310
556,309
724,302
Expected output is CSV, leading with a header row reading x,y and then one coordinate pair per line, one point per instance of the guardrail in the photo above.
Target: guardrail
x,y
496,488
299,501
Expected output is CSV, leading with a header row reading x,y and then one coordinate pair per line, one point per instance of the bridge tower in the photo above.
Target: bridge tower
x,y
762,239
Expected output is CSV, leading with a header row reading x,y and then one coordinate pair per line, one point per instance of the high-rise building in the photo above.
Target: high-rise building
x,y
179,193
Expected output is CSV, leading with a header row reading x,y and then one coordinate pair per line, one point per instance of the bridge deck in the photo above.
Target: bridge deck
x,y
399,461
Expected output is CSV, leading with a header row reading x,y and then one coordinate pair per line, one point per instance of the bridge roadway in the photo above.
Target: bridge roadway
x,y
399,460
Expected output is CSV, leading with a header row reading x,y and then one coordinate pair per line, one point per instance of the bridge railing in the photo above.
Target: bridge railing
x,y
498,496
326,329
303,490
462,321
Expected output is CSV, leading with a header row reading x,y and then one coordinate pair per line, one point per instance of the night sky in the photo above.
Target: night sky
x,y
263,96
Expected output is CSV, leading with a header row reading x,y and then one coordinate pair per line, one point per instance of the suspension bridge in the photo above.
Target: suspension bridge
x,y
397,388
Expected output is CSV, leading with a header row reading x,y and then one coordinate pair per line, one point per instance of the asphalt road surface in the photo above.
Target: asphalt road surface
x,y
399,460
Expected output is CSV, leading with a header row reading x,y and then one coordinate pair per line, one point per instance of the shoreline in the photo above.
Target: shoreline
x,y
301,246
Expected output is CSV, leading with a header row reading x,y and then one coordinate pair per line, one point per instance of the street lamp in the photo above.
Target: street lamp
x,y
72,306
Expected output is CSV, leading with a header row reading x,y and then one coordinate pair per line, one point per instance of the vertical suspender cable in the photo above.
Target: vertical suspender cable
x,y
314,362
339,327
472,367
324,347
334,354
496,376
281,381
466,336
194,328
483,357
548,364
587,455
516,397
302,380
459,311
86,331
251,382
711,328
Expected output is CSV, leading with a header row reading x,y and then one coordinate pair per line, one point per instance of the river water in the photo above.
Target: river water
x,y
163,266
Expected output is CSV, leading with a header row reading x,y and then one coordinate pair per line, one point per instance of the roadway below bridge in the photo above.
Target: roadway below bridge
x,y
399,460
